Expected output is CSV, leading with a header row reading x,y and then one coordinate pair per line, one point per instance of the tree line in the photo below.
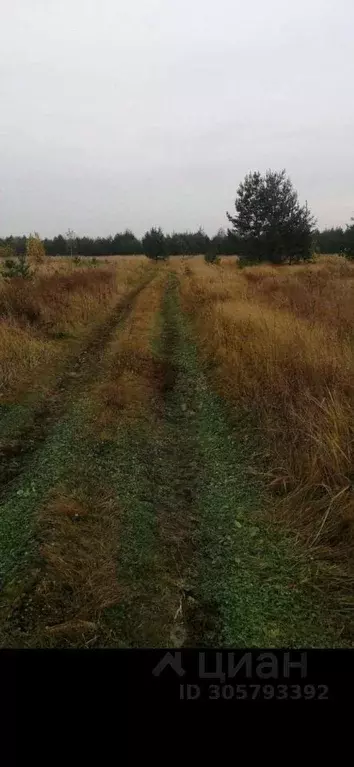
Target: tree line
x,y
125,244
268,224
336,240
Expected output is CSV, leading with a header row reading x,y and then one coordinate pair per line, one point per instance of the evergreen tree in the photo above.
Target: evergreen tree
x,y
270,223
154,244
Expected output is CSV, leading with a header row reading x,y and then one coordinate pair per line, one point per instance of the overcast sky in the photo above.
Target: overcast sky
x,y
149,112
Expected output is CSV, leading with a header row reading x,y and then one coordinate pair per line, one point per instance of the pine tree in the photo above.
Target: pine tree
x,y
269,221
154,244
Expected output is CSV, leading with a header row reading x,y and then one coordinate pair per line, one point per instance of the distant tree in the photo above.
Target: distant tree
x,y
6,251
220,243
201,241
176,244
70,237
187,243
48,246
336,240
17,245
154,244
216,247
84,246
35,250
58,246
126,244
102,246
349,240
181,245
269,221
330,240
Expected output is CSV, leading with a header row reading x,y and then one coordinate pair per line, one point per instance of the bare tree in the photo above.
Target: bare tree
x,y
70,237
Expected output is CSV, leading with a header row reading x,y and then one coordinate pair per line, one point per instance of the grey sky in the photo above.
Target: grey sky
x,y
150,112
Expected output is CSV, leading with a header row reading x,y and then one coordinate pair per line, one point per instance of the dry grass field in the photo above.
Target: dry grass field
x,y
63,302
177,454
280,341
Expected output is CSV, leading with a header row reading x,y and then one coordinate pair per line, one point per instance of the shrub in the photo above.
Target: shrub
x,y
211,257
35,249
17,267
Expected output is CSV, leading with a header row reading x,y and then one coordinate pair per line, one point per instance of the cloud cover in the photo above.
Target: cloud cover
x,y
117,114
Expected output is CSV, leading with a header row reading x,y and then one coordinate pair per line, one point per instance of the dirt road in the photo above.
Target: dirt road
x,y
142,526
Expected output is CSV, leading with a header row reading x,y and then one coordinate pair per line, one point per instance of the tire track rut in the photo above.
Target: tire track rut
x,y
17,454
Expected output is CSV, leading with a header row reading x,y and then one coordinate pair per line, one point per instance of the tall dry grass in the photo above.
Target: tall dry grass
x,y
79,531
131,375
280,343
43,317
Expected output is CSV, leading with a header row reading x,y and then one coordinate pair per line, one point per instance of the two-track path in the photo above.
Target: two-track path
x,y
193,558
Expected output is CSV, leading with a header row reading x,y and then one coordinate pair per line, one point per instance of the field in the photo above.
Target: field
x,y
176,448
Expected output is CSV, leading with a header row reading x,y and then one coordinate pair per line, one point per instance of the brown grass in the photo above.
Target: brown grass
x,y
281,343
77,580
131,374
62,302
